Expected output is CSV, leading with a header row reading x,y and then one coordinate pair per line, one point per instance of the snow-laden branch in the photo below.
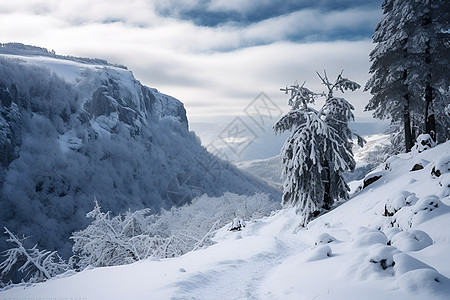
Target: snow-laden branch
x,y
37,265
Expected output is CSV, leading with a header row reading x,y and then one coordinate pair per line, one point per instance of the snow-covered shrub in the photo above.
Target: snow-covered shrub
x,y
441,165
321,252
365,237
237,225
324,238
376,261
412,240
130,237
197,222
33,264
420,211
444,182
115,241
424,142
402,199
425,280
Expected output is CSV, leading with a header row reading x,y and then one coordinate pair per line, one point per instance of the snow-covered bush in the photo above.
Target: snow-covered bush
x,y
424,142
375,261
321,252
35,265
398,201
237,224
130,237
324,238
414,210
441,165
412,240
365,237
114,241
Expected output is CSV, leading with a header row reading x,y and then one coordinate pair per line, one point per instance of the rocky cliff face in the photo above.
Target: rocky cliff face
x,y
72,131
131,102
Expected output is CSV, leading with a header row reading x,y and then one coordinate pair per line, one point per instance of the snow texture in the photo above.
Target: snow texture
x,y
353,252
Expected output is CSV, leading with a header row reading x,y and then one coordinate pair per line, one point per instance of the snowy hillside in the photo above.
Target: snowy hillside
x,y
74,129
268,169
389,241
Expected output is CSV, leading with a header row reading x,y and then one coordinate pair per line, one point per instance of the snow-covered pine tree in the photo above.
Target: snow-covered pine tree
x,y
319,149
391,97
410,65
35,265
429,44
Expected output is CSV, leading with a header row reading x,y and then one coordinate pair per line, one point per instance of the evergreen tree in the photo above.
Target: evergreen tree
x,y
410,66
429,46
319,149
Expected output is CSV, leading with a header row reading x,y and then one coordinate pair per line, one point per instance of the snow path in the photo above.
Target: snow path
x,y
242,278
238,279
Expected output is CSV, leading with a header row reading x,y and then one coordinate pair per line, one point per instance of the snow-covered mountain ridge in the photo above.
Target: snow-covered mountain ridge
x,y
74,129
389,241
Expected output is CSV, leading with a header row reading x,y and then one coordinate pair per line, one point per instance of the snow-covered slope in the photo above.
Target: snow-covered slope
x,y
74,129
268,169
390,241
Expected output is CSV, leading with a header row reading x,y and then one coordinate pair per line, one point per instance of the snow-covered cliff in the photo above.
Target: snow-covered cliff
x,y
72,129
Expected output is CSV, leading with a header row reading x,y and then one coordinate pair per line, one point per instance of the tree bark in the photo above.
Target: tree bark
x,y
430,121
407,126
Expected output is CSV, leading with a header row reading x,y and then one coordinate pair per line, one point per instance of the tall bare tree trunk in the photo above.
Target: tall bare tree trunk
x,y
407,125
430,121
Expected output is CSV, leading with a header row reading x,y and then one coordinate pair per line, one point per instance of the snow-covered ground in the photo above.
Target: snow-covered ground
x,y
390,241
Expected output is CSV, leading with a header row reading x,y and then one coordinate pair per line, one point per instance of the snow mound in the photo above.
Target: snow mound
x,y
441,165
377,261
412,240
324,238
400,200
366,237
427,282
424,142
321,252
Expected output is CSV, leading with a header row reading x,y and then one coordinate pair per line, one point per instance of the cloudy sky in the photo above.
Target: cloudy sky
x,y
216,56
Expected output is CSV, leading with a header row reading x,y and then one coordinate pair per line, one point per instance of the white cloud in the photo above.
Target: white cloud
x,y
180,58
242,6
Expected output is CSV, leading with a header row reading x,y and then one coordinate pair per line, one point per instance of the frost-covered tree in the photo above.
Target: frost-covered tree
x,y
113,241
319,149
429,45
35,265
410,66
133,236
